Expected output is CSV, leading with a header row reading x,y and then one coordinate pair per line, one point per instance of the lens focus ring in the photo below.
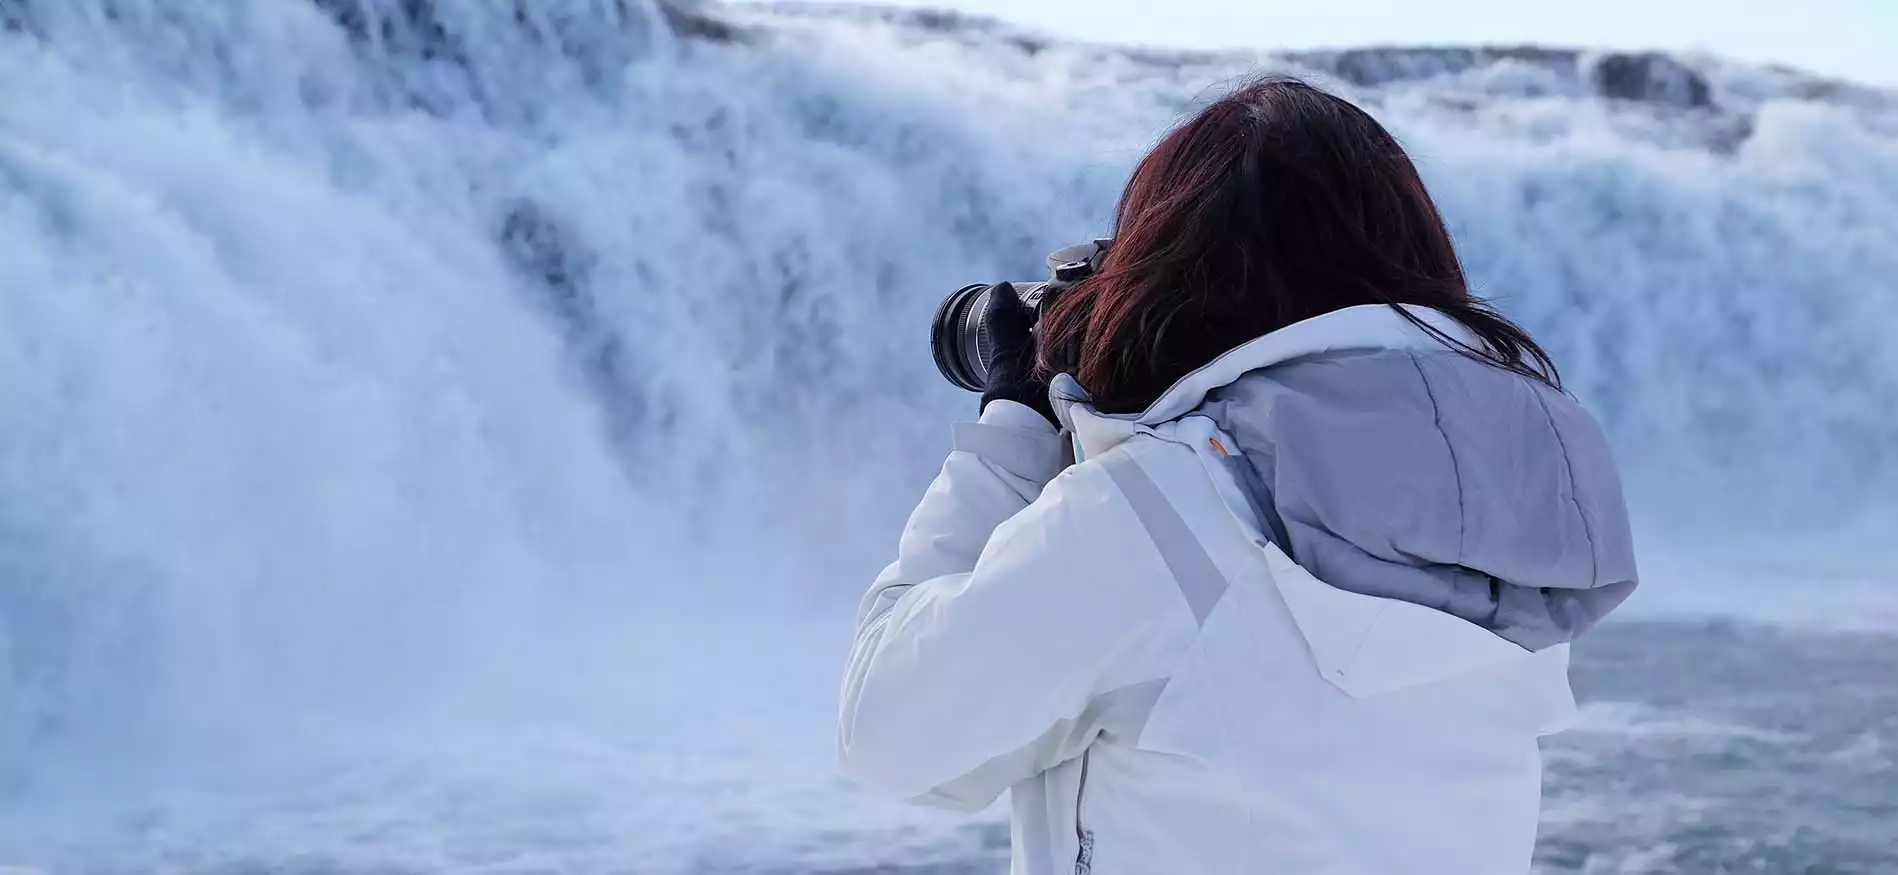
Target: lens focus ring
x,y
955,341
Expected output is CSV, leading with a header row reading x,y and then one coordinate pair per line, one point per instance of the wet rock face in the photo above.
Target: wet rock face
x,y
1642,77
688,19
538,247
1651,78
415,26
1371,67
408,26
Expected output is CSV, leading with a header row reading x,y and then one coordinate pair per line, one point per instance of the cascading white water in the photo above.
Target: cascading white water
x,y
396,365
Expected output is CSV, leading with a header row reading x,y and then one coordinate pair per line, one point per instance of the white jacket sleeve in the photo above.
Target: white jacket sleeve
x,y
1018,624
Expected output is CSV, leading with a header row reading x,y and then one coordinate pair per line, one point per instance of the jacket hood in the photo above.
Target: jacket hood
x,y
1404,469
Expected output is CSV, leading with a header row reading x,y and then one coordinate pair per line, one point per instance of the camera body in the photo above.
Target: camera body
x,y
959,339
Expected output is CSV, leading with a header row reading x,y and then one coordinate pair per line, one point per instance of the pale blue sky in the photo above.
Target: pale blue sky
x,y
1855,39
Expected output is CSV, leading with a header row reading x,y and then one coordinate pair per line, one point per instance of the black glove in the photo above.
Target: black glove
x,y
1009,325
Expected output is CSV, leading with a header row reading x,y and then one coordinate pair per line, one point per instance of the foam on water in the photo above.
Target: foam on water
x,y
374,370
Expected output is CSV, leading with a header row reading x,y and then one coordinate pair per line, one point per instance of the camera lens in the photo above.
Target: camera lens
x,y
957,340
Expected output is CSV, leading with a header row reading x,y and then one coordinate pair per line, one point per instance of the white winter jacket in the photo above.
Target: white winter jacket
x,y
1125,644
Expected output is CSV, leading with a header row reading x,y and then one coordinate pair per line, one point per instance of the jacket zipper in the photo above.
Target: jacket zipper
x,y
1084,858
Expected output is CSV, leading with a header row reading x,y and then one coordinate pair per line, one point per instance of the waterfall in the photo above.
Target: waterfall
x,y
374,362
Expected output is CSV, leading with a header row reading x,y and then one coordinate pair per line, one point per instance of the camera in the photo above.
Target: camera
x,y
959,339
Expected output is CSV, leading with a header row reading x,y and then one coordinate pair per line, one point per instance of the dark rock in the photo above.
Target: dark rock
x,y
1651,77
1159,59
537,247
1539,55
348,15
1028,45
693,24
559,269
411,27
13,17
940,20
1367,67
1371,67
391,36
1730,133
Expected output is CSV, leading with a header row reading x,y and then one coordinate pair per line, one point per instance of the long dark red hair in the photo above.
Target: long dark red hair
x,y
1275,204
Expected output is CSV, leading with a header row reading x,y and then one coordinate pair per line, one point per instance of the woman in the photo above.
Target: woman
x,y
1304,604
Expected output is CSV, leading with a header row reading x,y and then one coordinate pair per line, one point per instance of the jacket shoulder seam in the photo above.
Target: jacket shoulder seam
x,y
1568,468
1456,469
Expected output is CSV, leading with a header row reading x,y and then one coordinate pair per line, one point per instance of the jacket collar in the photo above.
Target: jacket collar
x,y
1364,327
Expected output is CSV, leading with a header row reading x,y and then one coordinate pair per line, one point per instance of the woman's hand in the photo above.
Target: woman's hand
x,y
1012,373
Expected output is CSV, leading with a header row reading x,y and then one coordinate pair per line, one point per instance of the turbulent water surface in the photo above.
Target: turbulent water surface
x,y
448,437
